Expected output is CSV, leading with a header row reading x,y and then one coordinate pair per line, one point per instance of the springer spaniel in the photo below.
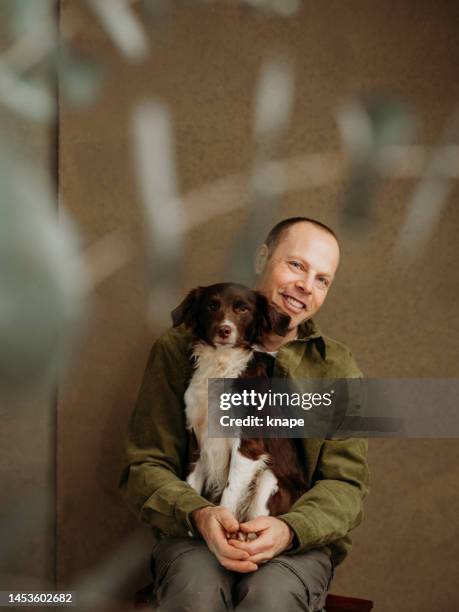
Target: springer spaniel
x,y
250,476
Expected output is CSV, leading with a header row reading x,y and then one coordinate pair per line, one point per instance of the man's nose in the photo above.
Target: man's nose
x,y
305,283
224,331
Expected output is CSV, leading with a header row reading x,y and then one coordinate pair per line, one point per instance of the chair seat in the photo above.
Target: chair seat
x,y
338,603
335,603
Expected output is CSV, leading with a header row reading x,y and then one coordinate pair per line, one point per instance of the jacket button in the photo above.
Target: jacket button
x,y
190,533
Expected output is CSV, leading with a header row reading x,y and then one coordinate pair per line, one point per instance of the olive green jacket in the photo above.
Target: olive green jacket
x,y
157,454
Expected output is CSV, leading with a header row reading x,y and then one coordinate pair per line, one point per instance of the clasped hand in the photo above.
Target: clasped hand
x,y
216,523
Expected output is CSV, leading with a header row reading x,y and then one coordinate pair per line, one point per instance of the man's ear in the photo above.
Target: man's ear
x,y
186,309
261,258
272,319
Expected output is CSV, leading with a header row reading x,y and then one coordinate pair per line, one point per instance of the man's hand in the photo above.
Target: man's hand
x,y
214,522
274,536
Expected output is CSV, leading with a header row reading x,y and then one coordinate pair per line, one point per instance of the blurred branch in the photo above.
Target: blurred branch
x,y
429,199
123,27
283,8
303,173
154,157
368,125
30,49
43,284
273,103
107,255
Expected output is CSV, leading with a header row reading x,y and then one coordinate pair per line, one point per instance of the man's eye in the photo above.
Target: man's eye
x,y
323,281
214,306
295,264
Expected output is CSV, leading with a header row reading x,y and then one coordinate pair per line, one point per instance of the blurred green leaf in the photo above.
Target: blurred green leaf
x,y
25,14
123,26
368,125
80,79
28,95
42,280
154,157
273,103
430,197
284,8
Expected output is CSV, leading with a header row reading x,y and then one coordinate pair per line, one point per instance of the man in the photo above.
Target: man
x,y
290,564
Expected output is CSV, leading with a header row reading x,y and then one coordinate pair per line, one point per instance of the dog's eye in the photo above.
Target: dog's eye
x,y
214,305
241,307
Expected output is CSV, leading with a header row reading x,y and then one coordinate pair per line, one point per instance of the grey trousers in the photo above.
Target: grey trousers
x,y
188,577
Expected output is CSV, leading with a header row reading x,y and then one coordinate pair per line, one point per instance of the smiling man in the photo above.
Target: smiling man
x,y
289,566
295,268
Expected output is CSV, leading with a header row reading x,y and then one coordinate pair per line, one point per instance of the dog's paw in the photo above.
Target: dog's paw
x,y
242,537
238,535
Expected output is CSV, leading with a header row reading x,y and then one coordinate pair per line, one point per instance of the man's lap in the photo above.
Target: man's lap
x,y
185,569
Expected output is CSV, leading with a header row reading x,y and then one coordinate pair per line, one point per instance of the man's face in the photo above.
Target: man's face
x,y
298,275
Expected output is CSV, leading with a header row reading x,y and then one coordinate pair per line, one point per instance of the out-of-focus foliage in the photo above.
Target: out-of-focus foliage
x,y
24,86
44,290
425,207
272,108
283,8
369,125
42,281
25,95
25,15
123,27
154,157
80,78
36,59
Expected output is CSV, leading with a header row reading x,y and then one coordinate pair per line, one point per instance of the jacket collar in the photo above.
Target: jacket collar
x,y
310,330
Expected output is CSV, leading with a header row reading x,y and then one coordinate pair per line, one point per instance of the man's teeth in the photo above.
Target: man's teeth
x,y
293,302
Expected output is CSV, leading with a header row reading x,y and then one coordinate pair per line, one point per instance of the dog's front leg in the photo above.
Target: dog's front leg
x,y
196,477
243,471
266,486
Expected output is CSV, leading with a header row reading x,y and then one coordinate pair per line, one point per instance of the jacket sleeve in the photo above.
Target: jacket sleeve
x,y
333,506
156,448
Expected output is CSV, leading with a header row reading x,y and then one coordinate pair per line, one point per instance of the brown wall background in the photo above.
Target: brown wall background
x,y
399,321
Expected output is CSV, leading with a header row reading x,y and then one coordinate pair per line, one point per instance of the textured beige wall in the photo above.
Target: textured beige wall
x,y
400,321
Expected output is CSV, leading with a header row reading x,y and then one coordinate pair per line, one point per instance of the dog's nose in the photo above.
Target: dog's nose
x,y
224,331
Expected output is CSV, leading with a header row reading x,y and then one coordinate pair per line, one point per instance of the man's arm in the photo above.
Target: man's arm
x,y
334,504
152,479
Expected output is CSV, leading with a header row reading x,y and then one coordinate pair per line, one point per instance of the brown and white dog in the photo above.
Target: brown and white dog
x,y
250,476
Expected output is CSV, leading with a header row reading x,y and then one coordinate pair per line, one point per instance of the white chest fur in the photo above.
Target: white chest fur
x,y
211,362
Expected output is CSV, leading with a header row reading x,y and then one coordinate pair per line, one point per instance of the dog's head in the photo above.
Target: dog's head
x,y
229,314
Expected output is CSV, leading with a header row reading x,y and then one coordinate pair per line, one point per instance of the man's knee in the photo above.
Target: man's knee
x,y
188,576
272,587
289,583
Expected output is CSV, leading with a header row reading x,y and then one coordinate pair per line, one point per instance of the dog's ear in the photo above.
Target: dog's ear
x,y
272,319
279,321
184,313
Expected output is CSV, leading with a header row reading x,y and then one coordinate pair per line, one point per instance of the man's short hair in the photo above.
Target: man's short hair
x,y
275,235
